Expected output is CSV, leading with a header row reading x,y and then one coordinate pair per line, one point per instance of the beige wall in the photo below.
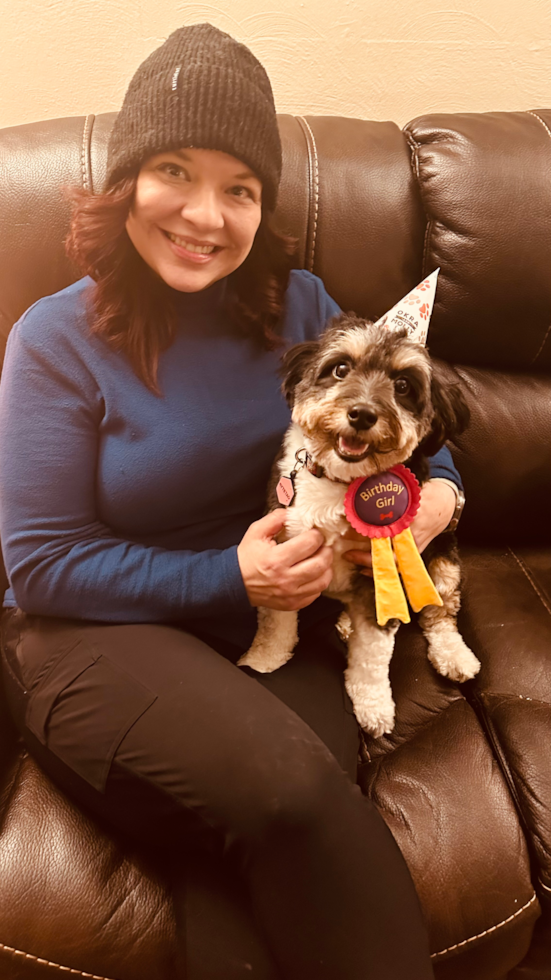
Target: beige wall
x,y
379,59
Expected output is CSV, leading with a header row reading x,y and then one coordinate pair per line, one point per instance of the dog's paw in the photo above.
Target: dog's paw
x,y
344,627
373,706
263,661
452,658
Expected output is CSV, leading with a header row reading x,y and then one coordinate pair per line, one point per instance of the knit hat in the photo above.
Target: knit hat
x,y
200,89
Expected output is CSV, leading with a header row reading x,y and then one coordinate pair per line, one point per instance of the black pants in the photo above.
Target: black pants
x,y
153,729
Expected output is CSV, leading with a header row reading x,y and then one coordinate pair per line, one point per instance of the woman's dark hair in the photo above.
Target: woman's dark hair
x,y
133,309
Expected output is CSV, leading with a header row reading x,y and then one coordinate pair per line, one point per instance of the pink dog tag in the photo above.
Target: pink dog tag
x,y
285,490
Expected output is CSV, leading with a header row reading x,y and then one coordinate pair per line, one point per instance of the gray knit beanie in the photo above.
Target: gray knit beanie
x,y
200,89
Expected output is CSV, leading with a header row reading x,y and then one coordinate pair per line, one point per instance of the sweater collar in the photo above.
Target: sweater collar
x,y
207,302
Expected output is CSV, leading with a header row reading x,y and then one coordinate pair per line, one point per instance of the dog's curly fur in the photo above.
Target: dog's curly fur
x,y
364,399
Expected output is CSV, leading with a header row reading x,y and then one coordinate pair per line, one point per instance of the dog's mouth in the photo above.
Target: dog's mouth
x,y
352,450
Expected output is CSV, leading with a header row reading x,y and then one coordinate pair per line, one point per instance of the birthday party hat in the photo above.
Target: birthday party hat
x,y
413,311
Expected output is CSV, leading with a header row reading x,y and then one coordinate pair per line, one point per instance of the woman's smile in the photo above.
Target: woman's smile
x,y
195,216
187,245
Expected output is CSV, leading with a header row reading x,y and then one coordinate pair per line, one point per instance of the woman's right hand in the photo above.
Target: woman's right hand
x,y
283,576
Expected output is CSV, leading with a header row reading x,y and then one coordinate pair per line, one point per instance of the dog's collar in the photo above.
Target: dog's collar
x,y
314,468
285,489
303,458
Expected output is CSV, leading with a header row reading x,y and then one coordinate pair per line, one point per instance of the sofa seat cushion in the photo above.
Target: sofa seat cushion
x,y
506,618
437,784
71,896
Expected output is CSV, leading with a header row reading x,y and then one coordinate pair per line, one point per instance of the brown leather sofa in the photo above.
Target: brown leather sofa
x,y
464,782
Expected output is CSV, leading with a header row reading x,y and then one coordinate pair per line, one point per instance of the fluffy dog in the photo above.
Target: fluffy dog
x,y
363,399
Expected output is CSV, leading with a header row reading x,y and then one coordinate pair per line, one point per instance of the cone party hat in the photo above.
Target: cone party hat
x,y
413,311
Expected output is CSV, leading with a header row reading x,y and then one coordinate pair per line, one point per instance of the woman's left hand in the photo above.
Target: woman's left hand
x,y
435,512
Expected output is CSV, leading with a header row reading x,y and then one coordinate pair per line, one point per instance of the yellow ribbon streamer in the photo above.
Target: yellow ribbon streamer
x,y
390,601
418,584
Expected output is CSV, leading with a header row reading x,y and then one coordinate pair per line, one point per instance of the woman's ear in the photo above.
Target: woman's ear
x,y
294,365
451,413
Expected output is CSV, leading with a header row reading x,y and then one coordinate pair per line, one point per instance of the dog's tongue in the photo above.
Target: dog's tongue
x,y
352,448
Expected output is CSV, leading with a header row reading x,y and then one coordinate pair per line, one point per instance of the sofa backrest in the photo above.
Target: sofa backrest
x,y
374,209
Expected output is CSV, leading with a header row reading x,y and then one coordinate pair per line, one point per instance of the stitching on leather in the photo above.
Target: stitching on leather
x,y
85,152
428,233
530,112
505,696
315,175
548,331
486,931
43,962
543,599
415,147
11,786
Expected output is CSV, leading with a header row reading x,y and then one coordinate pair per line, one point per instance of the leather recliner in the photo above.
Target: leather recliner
x,y
464,782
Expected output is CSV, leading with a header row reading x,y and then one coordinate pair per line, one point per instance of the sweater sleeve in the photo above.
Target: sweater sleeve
x,y
61,559
442,464
309,307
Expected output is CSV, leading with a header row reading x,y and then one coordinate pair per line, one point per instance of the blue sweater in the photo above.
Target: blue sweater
x,y
118,505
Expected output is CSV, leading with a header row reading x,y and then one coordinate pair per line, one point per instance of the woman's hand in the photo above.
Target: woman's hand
x,y
435,512
283,576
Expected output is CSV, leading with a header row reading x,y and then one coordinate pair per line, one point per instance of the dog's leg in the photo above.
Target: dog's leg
x,y
274,642
370,649
448,652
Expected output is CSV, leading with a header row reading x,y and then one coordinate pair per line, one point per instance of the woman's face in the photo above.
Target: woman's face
x,y
195,215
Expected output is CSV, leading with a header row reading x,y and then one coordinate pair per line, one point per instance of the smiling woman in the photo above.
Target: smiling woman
x,y
195,216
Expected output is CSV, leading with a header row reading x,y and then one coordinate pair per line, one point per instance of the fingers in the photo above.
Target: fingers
x,y
313,569
270,525
295,549
310,569
300,547
359,558
313,575
363,559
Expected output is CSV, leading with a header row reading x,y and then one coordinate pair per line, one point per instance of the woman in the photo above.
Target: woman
x,y
132,489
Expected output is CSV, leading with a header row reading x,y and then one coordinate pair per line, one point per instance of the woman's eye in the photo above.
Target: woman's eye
x,y
341,370
173,170
240,191
402,386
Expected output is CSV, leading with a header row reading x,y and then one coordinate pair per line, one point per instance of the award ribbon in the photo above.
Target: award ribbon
x,y
382,508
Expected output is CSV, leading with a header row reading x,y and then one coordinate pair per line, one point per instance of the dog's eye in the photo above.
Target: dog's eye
x,y
402,386
341,370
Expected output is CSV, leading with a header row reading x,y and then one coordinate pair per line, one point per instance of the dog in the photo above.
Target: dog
x,y
363,399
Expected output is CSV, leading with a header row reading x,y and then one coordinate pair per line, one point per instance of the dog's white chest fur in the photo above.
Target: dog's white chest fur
x,y
319,503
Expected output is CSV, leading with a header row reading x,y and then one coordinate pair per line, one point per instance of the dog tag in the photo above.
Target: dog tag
x,y
285,490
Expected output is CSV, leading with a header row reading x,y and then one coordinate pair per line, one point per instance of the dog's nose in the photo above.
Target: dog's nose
x,y
362,417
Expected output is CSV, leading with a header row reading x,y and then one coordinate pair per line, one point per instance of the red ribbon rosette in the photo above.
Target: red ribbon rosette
x,y
383,505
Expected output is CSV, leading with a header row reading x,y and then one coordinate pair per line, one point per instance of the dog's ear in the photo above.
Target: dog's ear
x,y
451,413
294,364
